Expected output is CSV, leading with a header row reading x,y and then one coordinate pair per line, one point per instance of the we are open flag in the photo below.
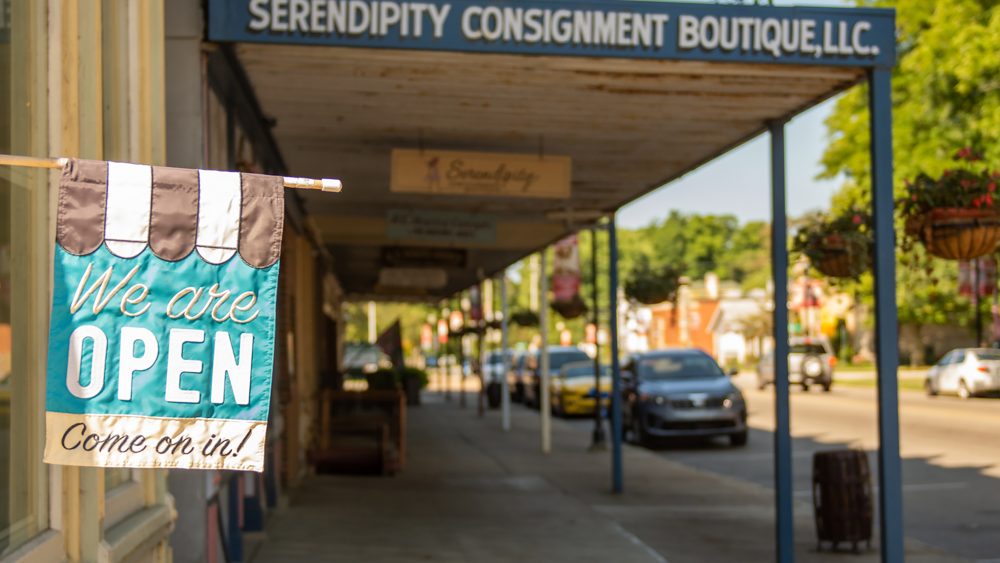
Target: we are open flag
x,y
162,334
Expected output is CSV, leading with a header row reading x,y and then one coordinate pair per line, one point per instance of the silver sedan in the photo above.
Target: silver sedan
x,y
965,372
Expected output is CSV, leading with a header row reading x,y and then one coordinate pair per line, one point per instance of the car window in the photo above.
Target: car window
x,y
988,355
679,366
558,359
806,349
947,359
959,357
585,371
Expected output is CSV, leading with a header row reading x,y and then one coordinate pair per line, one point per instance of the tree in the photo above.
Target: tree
x,y
946,96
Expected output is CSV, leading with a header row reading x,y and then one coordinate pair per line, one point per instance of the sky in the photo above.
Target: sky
x,y
738,182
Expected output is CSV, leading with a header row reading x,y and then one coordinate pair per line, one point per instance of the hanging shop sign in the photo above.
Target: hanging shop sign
x,y
424,256
440,226
477,173
162,330
659,30
566,269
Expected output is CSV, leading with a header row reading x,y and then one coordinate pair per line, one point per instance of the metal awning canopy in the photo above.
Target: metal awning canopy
x,y
630,120
635,93
629,126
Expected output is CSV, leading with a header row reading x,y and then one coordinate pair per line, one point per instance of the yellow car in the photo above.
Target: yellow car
x,y
572,391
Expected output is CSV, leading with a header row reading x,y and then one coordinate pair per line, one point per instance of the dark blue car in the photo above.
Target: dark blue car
x,y
681,393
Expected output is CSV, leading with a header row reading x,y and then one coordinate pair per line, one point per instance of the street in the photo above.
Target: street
x,y
950,451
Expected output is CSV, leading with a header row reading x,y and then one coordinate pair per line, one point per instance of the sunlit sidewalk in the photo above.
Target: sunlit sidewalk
x,y
471,492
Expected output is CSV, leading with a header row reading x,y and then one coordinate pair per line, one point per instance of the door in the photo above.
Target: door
x,y
952,372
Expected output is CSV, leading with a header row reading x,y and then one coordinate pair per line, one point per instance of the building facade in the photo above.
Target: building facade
x,y
133,81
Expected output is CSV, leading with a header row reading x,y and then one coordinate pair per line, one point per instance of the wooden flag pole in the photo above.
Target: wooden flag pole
x,y
324,184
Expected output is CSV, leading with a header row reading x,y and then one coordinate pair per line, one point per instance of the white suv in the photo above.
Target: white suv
x,y
810,361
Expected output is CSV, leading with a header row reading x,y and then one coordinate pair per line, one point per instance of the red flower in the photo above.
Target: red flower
x,y
856,219
991,187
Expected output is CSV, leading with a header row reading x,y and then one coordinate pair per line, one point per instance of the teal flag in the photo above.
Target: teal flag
x,y
161,339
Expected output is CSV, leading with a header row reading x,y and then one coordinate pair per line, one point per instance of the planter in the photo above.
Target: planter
x,y
570,309
525,318
651,296
411,387
841,256
958,233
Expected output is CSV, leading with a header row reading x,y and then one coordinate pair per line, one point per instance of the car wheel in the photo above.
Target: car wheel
x,y
827,385
518,393
805,385
761,383
929,388
963,390
739,440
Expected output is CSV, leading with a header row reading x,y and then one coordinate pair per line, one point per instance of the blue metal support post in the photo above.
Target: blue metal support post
x,y
783,501
616,372
886,320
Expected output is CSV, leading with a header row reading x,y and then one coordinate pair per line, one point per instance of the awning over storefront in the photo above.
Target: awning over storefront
x,y
633,94
630,119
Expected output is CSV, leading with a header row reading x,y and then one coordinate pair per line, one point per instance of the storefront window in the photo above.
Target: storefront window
x,y
23,280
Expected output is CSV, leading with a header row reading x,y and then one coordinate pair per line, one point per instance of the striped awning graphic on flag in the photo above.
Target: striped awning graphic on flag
x,y
173,211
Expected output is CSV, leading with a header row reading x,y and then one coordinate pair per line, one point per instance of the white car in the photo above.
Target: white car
x,y
965,372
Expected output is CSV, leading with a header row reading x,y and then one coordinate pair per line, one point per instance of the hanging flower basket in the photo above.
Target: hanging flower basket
x,y
525,318
649,285
956,216
495,324
838,247
570,309
960,233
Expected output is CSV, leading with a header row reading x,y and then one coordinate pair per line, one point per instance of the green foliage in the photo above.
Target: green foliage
x,y
835,243
946,95
970,184
650,285
386,379
525,318
411,317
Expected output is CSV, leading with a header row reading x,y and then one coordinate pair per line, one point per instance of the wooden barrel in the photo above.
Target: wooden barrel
x,y
842,498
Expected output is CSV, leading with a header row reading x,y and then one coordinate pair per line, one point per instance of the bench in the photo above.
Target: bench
x,y
361,432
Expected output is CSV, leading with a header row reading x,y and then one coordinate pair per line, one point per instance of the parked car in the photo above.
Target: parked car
x,y
493,368
361,359
572,391
558,357
515,376
681,393
810,362
966,372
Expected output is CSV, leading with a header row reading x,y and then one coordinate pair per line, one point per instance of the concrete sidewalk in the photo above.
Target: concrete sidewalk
x,y
473,493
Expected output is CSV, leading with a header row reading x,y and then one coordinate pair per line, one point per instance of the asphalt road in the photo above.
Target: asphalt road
x,y
950,450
